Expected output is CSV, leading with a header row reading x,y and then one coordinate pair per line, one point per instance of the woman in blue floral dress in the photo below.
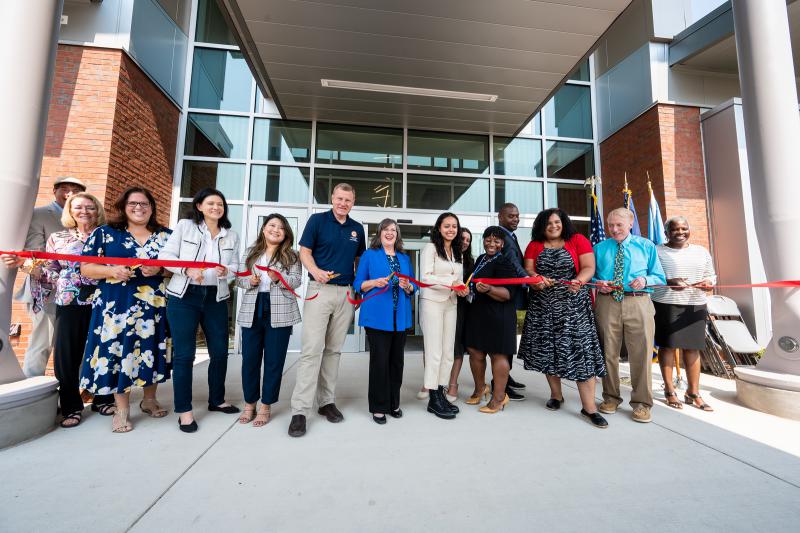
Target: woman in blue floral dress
x,y
128,342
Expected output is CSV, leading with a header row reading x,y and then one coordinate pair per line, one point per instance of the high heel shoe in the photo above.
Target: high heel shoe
x,y
454,398
491,411
475,400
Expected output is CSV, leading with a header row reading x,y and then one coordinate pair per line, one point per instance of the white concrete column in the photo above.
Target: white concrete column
x,y
28,40
772,130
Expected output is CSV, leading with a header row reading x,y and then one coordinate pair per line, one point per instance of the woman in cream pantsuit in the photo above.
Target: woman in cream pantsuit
x,y
440,264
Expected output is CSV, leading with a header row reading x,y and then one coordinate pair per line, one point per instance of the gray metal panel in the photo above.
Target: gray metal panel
x,y
705,33
519,50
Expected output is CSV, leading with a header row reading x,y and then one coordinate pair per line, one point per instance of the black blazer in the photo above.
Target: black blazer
x,y
513,253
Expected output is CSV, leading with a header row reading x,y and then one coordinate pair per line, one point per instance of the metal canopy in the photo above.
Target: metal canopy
x,y
519,50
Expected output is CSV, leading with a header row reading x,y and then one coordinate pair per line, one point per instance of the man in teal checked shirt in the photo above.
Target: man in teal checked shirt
x,y
627,268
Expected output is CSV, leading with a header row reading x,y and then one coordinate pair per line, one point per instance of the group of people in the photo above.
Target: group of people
x,y
115,327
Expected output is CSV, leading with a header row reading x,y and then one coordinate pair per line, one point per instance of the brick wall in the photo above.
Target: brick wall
x,y
109,126
664,141
144,139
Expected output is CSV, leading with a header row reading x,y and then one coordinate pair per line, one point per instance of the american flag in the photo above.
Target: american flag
x,y
596,232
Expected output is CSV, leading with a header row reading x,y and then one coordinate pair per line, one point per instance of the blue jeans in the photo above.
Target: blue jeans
x,y
198,307
263,342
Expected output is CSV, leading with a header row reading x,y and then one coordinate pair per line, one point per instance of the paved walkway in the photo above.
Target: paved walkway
x,y
525,469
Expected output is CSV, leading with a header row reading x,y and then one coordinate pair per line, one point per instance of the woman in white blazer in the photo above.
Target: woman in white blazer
x,y
440,263
198,297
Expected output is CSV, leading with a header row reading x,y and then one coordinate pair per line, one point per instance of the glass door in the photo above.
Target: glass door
x,y
297,221
415,230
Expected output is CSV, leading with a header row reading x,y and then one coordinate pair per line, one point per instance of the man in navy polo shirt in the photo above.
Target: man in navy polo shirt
x,y
330,246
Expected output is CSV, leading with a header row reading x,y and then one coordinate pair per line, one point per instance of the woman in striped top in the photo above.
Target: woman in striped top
x,y
681,310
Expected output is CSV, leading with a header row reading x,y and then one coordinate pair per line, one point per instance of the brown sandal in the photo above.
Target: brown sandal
x,y
150,407
262,418
120,422
675,404
248,414
696,401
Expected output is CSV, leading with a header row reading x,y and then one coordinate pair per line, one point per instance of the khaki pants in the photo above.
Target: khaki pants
x,y
631,321
40,342
438,321
326,319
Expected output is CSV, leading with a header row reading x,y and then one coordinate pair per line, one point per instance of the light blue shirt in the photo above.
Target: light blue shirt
x,y
641,259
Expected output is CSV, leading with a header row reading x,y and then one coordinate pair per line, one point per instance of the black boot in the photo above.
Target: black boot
x,y
436,405
453,408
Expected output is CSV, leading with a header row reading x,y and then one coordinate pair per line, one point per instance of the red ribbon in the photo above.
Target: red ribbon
x,y
137,262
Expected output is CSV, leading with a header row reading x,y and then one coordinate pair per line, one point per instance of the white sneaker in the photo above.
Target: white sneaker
x,y
422,395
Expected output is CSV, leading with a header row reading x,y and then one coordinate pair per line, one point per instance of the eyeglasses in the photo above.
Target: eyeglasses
x,y
84,208
143,205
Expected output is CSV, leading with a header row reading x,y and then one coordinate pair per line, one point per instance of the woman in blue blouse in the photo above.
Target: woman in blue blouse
x,y
385,317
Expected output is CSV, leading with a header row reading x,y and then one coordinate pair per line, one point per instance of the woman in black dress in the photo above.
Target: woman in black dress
x,y
459,347
559,337
491,322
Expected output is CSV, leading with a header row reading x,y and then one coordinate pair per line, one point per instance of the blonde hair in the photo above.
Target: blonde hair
x,y
66,216
622,212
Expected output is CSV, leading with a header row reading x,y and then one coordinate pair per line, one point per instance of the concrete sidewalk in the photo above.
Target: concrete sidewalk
x,y
525,469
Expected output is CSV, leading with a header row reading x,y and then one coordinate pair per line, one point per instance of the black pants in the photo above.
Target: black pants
x,y
71,331
385,369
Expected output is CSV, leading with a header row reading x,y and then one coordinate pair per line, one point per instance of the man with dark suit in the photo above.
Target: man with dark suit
x,y
508,218
45,220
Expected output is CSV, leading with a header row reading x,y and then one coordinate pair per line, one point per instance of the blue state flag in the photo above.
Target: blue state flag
x,y
655,224
627,197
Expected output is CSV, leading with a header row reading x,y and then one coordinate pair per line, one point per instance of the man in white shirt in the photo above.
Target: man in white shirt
x,y
45,220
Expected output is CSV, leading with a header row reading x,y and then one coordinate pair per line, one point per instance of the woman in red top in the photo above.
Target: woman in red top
x,y
559,337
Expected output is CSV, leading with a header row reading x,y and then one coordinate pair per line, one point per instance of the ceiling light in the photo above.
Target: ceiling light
x,y
400,89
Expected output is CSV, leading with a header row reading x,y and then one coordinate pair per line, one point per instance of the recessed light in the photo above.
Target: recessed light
x,y
402,89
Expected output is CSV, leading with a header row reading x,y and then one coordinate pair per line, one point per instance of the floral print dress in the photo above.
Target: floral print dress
x,y
129,343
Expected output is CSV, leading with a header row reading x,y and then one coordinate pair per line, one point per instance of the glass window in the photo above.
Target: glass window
x,y
528,195
373,189
227,177
517,157
339,144
581,73
211,26
534,127
279,184
216,136
569,113
568,160
282,140
572,198
448,152
234,214
456,193
221,80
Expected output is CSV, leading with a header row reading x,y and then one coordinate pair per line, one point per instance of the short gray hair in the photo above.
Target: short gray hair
x,y
622,212
677,218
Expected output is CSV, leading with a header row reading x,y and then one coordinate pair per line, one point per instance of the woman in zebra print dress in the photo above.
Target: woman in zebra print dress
x,y
559,337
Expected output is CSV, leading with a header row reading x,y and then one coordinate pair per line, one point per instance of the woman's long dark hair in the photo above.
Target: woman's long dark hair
x,y
438,240
466,256
199,198
285,255
376,244
540,225
120,219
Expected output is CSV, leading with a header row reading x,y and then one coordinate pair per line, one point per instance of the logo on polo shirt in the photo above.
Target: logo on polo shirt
x,y
354,236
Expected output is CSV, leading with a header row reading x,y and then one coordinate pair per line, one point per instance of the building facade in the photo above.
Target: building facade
x,y
158,93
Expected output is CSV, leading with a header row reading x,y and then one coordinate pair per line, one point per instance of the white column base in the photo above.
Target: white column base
x,y
769,392
27,409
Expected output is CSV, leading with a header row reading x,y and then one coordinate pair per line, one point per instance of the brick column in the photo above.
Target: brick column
x,y
110,126
664,141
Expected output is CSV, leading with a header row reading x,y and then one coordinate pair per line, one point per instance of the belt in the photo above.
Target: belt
x,y
629,293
